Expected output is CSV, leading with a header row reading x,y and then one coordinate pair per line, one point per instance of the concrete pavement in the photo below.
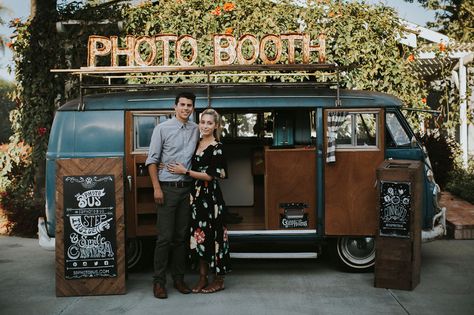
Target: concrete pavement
x,y
27,286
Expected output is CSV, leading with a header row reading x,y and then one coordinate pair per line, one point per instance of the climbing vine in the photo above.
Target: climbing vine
x,y
359,35
38,46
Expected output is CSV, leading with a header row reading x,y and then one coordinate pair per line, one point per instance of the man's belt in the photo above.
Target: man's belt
x,y
178,184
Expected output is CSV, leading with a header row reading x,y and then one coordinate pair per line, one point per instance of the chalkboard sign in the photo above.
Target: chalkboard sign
x,y
89,226
395,201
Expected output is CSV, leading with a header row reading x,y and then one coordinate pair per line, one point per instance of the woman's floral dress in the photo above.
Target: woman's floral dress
x,y
209,239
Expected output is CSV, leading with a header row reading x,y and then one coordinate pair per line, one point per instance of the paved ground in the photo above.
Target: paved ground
x,y
254,287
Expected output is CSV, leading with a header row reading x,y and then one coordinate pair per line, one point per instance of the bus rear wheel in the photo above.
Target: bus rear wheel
x,y
134,252
356,253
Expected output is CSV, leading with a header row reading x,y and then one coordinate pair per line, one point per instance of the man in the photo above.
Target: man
x,y
172,141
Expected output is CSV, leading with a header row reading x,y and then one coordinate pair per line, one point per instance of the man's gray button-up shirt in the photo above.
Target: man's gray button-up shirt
x,y
173,141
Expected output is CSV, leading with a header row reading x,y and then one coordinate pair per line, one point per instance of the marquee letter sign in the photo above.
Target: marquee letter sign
x,y
143,50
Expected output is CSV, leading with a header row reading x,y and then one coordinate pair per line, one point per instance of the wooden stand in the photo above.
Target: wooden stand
x,y
90,230
398,242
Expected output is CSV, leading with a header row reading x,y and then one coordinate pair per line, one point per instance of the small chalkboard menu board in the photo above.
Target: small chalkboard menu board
x,y
89,226
395,200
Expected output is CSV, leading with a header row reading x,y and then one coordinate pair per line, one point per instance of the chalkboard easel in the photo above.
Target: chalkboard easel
x,y
90,230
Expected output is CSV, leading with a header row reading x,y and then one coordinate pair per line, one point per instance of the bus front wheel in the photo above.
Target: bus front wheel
x,y
356,253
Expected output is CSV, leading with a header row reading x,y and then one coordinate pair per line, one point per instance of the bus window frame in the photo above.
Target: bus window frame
x,y
404,126
135,132
353,112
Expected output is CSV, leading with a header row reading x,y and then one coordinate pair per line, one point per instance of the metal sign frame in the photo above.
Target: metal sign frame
x,y
207,72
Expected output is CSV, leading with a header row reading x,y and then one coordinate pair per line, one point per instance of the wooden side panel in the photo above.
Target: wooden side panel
x,y
350,193
90,286
290,176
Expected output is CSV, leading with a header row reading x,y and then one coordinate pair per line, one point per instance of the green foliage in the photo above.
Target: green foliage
x,y
38,47
6,105
454,18
17,200
461,182
357,35
441,149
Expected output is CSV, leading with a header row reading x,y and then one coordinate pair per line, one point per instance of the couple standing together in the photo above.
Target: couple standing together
x,y
184,169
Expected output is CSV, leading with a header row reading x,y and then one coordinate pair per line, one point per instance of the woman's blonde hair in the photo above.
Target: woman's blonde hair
x,y
217,120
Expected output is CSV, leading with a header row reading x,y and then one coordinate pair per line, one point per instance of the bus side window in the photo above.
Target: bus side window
x,y
293,127
303,127
358,130
247,125
396,136
143,125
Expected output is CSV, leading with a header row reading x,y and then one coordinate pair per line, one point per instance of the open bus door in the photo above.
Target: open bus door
x,y
350,184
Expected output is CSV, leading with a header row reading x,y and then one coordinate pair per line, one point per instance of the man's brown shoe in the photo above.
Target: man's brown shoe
x,y
182,287
159,292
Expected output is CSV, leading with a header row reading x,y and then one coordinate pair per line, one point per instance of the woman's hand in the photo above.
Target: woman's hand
x,y
176,168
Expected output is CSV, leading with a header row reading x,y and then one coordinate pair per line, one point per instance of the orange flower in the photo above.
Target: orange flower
x,y
228,6
229,30
411,58
217,11
423,100
15,22
9,45
331,14
442,47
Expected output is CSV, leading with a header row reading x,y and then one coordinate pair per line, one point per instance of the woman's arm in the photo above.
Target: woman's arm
x,y
179,168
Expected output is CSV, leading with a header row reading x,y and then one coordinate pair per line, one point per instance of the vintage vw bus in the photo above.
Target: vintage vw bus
x,y
279,145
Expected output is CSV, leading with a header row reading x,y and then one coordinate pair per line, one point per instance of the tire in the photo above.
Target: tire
x,y
134,252
356,253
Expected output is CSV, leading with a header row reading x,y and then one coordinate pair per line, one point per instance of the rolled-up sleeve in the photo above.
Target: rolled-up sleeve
x,y
217,167
154,152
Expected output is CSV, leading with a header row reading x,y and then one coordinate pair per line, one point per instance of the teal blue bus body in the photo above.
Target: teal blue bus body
x,y
98,129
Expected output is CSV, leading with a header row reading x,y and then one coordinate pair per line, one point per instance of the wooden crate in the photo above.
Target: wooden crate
x,y
398,252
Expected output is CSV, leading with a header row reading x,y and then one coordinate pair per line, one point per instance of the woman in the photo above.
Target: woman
x,y
208,242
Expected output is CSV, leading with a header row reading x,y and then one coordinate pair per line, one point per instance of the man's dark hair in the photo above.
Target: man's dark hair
x,y
188,95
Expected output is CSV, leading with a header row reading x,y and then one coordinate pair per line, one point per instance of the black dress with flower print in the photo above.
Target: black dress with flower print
x,y
209,239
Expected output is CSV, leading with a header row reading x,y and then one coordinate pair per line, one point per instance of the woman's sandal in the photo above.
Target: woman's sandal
x,y
216,285
202,283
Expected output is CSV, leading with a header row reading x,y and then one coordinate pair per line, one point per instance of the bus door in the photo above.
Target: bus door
x,y
290,172
140,205
350,179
